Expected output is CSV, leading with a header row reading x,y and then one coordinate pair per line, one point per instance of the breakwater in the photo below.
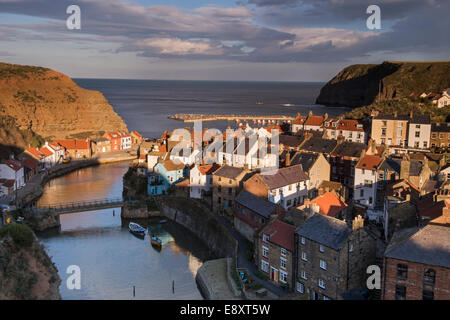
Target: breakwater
x,y
192,117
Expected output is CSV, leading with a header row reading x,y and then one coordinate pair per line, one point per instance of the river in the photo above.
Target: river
x,y
111,259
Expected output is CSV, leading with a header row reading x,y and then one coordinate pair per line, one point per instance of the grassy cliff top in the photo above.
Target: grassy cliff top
x,y
15,70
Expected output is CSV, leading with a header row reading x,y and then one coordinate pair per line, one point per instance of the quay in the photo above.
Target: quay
x,y
191,117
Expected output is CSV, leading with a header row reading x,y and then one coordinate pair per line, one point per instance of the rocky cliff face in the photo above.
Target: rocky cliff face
x,y
26,271
362,85
50,104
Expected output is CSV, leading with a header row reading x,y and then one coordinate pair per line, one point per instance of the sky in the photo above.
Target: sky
x,y
262,40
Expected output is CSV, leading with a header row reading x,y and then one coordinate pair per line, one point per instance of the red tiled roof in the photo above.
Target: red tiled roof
x,y
137,134
46,151
208,169
7,182
300,120
329,204
349,125
74,144
35,153
281,234
314,121
369,162
330,122
162,148
30,163
13,164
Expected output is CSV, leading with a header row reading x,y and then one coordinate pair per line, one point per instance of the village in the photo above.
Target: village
x,y
343,195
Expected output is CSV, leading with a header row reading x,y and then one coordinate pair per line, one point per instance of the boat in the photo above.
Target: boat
x,y
66,160
137,229
163,221
259,102
287,105
156,241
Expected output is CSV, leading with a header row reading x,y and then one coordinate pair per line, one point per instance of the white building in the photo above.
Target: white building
x,y
13,170
365,189
444,100
419,132
201,179
351,130
125,140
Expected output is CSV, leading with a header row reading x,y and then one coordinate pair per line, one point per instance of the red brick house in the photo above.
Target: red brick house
x,y
274,252
416,264
252,213
116,140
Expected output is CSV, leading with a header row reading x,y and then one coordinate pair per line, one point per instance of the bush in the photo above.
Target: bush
x,y
21,234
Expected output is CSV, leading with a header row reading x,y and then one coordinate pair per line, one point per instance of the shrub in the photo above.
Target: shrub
x,y
21,234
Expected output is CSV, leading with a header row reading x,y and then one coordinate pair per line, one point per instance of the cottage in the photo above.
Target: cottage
x,y
330,204
299,123
286,186
227,183
390,129
164,175
13,170
440,135
315,123
365,188
274,252
319,145
201,180
76,148
100,145
251,213
332,257
316,166
444,99
419,132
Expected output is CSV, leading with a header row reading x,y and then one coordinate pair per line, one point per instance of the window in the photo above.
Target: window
x,y
300,287
417,126
350,248
283,276
303,275
417,134
283,252
384,123
323,264
283,263
425,144
322,283
321,248
383,132
429,277
264,266
400,292
244,213
304,258
361,193
266,237
303,240
402,271
427,295
265,251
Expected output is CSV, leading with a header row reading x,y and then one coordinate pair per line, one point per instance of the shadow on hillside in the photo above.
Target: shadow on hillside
x,y
358,91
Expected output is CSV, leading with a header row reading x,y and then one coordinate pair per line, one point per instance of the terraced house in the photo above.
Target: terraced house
x,y
331,257
227,183
274,252
286,186
390,129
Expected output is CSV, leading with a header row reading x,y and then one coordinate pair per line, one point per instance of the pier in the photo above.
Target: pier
x,y
192,117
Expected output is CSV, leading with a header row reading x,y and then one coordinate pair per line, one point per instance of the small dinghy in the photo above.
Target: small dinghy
x,y
156,241
163,221
137,229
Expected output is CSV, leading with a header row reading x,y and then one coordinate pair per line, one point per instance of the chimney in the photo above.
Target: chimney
x,y
326,116
310,113
395,114
358,223
288,159
411,114
404,168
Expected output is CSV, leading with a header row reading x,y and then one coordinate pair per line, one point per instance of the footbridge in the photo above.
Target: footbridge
x,y
81,206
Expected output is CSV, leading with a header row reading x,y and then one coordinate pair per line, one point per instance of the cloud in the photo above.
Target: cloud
x,y
253,31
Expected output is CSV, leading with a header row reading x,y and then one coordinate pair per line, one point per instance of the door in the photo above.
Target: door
x,y
273,274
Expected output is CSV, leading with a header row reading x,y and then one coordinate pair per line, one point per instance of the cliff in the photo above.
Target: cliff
x,y
26,271
48,103
366,84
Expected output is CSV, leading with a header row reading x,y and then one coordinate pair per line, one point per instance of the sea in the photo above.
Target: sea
x,y
145,105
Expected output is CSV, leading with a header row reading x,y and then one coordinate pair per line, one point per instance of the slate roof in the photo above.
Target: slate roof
x,y
440,127
316,144
290,141
390,165
284,176
349,149
228,172
429,245
392,117
325,230
420,119
307,160
256,204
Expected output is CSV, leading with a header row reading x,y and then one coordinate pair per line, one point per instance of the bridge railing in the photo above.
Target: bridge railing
x,y
80,204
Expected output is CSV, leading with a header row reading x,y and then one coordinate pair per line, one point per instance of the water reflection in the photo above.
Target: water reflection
x,y
111,259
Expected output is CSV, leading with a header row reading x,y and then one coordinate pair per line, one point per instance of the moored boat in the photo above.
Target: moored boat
x,y
156,241
136,228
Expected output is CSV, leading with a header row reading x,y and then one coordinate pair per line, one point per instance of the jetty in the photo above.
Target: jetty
x,y
192,117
